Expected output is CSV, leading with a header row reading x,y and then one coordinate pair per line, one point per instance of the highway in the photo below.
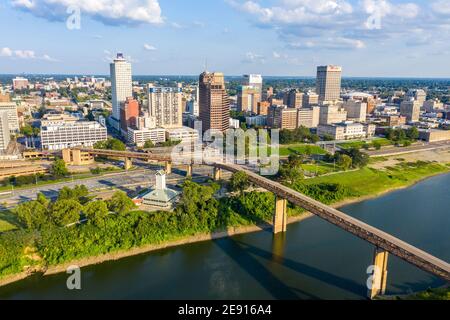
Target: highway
x,y
392,151
126,181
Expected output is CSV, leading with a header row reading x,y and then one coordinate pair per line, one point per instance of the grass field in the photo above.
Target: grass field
x,y
286,150
359,144
369,181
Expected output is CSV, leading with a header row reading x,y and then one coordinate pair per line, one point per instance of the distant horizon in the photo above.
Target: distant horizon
x,y
227,76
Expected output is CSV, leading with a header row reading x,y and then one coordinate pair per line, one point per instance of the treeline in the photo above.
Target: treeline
x,y
299,135
74,226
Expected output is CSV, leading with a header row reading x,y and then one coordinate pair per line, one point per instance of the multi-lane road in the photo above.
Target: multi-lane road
x,y
126,181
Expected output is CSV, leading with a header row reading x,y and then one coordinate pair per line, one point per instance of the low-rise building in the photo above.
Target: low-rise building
x,y
308,117
183,134
140,136
434,135
161,196
332,113
347,130
356,110
72,134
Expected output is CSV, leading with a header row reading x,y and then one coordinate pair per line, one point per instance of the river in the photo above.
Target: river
x,y
313,260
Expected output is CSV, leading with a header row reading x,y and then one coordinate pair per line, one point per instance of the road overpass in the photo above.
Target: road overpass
x,y
384,243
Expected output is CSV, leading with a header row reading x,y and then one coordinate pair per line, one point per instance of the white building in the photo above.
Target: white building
x,y
308,117
256,81
234,123
140,136
5,135
161,196
330,114
347,130
13,118
183,134
164,104
72,134
121,84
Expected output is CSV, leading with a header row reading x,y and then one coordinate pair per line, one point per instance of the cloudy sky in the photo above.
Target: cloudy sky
x,y
273,37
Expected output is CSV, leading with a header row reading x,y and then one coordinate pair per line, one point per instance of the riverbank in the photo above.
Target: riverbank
x,y
50,270
233,231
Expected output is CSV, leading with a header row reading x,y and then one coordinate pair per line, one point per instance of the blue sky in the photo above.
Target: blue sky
x,y
272,37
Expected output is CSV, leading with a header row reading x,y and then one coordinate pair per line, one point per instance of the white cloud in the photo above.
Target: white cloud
x,y
107,11
6,52
149,47
251,57
24,54
441,7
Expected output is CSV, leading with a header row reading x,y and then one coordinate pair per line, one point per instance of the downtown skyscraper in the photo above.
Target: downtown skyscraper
x,y
214,102
328,85
121,84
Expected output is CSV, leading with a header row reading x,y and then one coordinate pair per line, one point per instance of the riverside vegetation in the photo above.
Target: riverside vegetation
x,y
76,226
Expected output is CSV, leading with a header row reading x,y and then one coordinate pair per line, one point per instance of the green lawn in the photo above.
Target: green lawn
x,y
286,150
321,168
8,221
359,144
369,181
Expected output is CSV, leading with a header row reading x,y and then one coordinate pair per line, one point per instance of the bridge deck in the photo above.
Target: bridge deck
x,y
379,238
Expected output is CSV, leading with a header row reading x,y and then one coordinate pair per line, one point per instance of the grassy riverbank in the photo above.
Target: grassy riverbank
x,y
204,219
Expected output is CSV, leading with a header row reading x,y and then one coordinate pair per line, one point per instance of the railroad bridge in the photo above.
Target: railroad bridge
x,y
384,243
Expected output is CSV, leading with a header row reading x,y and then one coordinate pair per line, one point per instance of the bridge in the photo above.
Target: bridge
x,y
384,243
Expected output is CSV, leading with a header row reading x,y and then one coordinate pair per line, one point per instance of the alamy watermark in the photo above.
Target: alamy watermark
x,y
258,149
73,21
74,280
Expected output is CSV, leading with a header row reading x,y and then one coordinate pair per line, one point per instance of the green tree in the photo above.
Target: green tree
x,y
96,212
120,203
376,145
78,193
64,212
110,144
149,144
291,174
32,214
42,199
239,182
412,133
59,168
344,162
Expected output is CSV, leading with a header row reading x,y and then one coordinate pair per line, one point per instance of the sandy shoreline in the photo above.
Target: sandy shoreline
x,y
51,270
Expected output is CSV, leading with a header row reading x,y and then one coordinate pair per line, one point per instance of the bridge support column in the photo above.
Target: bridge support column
x,y
127,164
379,277
189,170
168,167
217,174
280,216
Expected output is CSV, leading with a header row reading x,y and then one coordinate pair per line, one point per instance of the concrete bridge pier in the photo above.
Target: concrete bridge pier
x,y
280,215
127,164
379,277
217,174
168,167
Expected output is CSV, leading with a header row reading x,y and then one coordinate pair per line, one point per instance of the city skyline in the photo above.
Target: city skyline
x,y
273,38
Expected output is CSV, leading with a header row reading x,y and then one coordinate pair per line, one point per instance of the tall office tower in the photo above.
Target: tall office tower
x,y
164,104
5,135
214,102
411,110
248,99
254,80
328,83
121,83
418,94
13,118
294,99
310,99
129,113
